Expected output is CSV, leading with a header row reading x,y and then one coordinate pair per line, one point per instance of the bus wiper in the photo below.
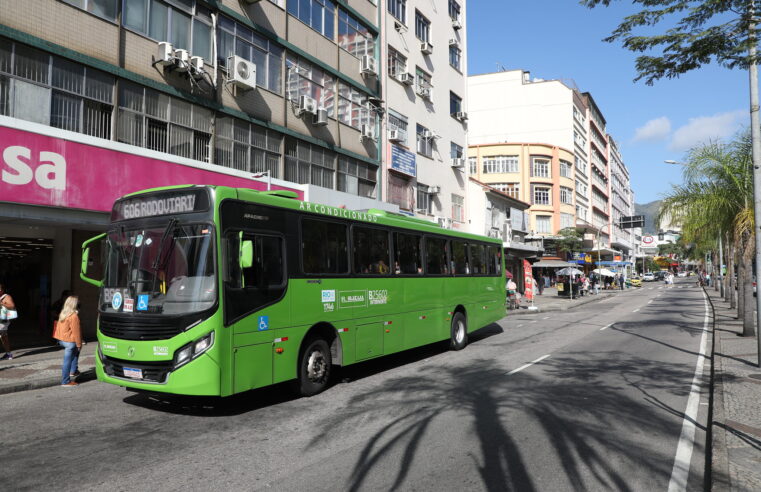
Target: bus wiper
x,y
157,261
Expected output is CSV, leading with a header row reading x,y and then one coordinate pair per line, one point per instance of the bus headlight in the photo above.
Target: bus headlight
x,y
193,349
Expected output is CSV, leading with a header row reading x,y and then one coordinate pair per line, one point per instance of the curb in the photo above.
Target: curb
x,y
85,376
576,304
718,466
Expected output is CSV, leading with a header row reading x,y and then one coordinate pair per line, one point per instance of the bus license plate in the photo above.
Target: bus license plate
x,y
130,372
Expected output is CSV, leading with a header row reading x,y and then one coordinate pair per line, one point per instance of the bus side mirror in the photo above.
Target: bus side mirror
x,y
246,259
86,261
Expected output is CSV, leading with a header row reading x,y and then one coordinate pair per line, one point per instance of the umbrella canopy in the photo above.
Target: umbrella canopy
x,y
569,271
604,272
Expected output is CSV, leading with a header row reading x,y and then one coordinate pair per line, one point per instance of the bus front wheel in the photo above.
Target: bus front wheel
x,y
459,331
314,367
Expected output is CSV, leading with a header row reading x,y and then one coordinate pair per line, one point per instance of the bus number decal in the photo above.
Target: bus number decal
x,y
377,296
329,307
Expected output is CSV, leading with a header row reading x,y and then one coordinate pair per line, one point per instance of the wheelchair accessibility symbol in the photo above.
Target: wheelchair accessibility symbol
x,y
142,302
264,323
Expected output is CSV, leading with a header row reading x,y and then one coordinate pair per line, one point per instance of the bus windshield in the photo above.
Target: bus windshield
x,y
161,270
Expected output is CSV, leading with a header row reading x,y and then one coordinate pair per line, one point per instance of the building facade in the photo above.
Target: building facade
x,y
510,107
424,88
99,98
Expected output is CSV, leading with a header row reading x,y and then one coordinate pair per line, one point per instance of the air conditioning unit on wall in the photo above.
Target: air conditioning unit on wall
x,y
307,105
397,136
321,118
458,163
182,60
367,132
368,65
241,73
406,78
165,54
426,48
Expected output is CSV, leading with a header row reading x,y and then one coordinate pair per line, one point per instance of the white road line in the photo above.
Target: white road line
x,y
527,365
635,310
606,326
546,317
519,325
650,288
535,321
659,288
649,301
681,471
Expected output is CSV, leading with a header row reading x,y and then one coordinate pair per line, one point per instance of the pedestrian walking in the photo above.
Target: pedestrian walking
x,y
708,279
540,284
621,281
69,336
8,312
596,283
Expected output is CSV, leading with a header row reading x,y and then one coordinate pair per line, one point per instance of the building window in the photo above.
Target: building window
x,y
63,94
455,151
353,36
422,27
398,122
500,164
353,109
455,103
540,168
397,63
581,188
458,208
309,164
398,9
422,79
304,79
566,220
101,8
320,15
581,212
566,169
454,10
473,164
566,195
241,145
543,224
424,141
455,55
183,23
423,204
541,195
400,192
512,189
356,177
153,120
236,39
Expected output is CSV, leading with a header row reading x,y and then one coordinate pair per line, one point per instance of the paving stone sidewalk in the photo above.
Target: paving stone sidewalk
x,y
736,422
551,301
40,367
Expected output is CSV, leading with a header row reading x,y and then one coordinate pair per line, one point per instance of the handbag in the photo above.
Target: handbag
x,y
7,314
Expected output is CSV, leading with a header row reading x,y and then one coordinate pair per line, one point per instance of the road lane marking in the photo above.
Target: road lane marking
x,y
681,471
546,317
528,365
659,288
635,310
520,325
606,326
650,288
649,301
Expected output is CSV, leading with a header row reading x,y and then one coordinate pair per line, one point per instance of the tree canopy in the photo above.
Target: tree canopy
x,y
703,31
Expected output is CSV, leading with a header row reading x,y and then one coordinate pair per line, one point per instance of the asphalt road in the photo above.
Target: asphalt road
x,y
602,410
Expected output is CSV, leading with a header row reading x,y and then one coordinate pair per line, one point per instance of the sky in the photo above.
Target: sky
x,y
561,39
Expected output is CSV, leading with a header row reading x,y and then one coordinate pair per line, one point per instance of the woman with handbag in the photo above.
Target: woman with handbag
x,y
7,313
69,336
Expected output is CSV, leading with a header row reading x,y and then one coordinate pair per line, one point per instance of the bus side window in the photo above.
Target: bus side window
x,y
493,260
477,258
371,253
460,258
324,247
436,256
408,254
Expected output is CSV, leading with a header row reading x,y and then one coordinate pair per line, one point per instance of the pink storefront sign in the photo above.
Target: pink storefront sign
x,y
39,169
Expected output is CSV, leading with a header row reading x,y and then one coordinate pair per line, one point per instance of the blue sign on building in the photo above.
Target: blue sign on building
x,y
403,161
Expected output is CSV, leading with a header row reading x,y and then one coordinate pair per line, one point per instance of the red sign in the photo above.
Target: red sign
x,y
647,239
528,281
43,170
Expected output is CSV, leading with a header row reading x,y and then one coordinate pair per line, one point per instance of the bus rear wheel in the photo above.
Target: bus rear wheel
x,y
314,367
459,331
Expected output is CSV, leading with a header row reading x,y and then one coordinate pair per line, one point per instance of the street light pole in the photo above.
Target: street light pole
x,y
755,126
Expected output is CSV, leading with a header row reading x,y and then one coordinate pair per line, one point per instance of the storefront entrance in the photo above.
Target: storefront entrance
x,y
26,267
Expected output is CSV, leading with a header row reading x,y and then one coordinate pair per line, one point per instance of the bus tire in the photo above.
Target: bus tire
x,y
314,367
459,333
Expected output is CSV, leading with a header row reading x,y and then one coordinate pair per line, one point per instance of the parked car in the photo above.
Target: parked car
x,y
648,277
635,282
681,274
660,275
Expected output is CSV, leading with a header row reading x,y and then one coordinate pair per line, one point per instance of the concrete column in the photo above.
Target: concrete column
x,y
61,274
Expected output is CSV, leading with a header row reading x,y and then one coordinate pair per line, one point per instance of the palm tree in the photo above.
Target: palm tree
x,y
716,198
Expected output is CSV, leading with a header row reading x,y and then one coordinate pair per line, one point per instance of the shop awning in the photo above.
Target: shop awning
x,y
552,264
613,263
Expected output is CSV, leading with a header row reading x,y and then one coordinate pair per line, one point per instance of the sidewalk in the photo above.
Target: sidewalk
x,y
736,421
551,301
40,367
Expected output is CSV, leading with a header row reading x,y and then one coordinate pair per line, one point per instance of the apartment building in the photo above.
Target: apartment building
x,y
538,174
510,108
99,98
424,91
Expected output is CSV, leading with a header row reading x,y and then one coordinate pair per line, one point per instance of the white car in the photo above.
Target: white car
x,y
681,274
648,277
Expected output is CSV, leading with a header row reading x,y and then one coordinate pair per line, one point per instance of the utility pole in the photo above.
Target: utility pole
x,y
755,125
721,269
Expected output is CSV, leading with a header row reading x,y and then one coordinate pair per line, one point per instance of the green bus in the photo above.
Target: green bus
x,y
210,290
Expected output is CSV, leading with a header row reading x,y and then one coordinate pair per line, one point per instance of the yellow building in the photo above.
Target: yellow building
x,y
539,174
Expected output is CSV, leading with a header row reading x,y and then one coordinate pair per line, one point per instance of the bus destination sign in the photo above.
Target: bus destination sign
x,y
161,204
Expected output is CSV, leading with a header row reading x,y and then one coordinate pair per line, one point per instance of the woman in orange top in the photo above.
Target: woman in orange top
x,y
69,336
